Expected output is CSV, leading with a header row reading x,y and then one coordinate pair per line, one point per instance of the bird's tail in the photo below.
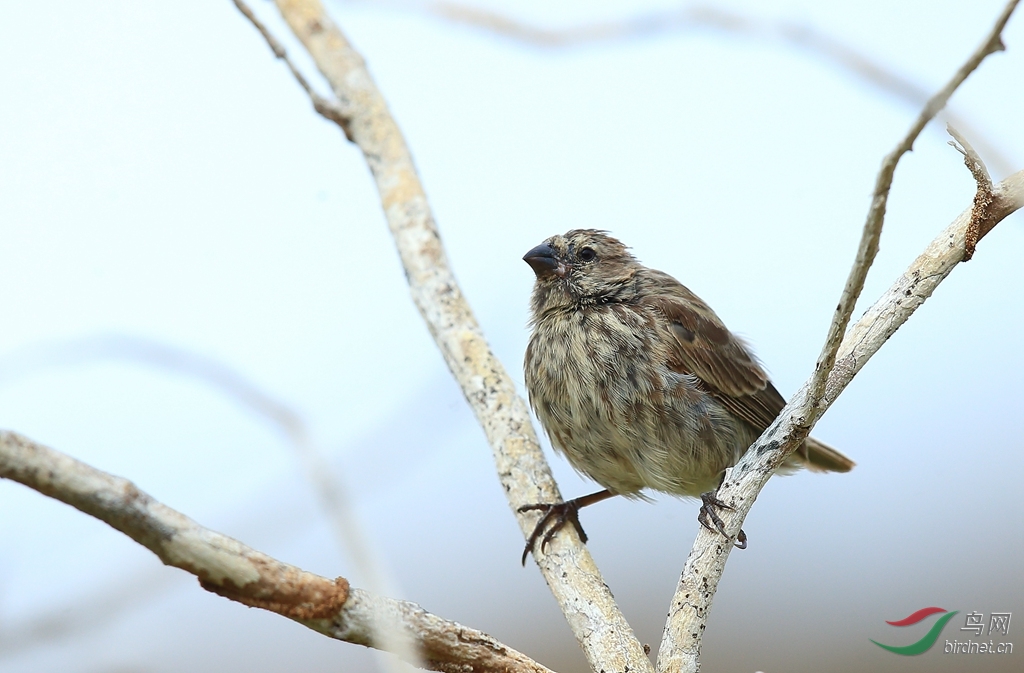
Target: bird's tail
x,y
820,457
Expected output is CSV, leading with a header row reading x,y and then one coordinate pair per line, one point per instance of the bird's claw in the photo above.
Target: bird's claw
x,y
554,518
708,516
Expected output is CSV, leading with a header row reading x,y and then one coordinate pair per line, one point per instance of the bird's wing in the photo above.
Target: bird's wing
x,y
704,348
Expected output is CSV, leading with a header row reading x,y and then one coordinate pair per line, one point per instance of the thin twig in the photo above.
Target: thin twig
x,y
972,159
229,568
326,108
602,632
983,195
872,232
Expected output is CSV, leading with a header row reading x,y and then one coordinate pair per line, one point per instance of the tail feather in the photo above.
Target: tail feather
x,y
820,457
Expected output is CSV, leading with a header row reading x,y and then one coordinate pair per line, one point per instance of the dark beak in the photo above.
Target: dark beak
x,y
544,261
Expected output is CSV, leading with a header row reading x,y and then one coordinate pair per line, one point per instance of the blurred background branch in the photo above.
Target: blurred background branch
x,y
696,18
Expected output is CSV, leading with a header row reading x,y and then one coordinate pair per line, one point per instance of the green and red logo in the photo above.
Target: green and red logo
x,y
929,638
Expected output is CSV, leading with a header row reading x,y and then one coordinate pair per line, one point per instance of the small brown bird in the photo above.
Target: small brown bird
x,y
639,384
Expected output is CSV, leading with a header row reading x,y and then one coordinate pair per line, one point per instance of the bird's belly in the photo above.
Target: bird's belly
x,y
623,418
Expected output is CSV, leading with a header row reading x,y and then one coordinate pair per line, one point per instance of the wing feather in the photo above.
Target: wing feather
x,y
704,348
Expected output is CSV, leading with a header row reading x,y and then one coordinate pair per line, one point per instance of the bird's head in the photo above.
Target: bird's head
x,y
578,268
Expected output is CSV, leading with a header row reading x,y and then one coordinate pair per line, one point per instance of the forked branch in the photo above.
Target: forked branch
x,y
602,632
680,646
872,232
840,360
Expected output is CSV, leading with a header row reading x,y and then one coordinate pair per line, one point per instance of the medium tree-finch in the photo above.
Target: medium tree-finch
x,y
639,383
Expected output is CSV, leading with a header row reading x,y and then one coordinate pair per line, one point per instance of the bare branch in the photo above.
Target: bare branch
x,y
982,197
868,247
680,647
328,486
326,108
602,632
972,159
231,569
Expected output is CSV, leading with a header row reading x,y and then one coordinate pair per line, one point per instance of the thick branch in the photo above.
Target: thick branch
x,y
231,569
328,486
680,645
603,633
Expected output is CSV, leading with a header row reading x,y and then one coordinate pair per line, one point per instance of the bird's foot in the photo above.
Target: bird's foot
x,y
709,518
555,516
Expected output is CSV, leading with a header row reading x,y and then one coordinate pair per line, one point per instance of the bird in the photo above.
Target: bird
x,y
639,384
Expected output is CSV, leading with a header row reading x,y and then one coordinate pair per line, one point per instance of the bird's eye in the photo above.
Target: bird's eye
x,y
587,255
